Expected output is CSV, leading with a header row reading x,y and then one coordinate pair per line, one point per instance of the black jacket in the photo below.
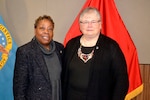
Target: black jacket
x,y
31,78
108,78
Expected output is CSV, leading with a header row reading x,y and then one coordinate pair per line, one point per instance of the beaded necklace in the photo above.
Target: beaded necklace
x,y
83,56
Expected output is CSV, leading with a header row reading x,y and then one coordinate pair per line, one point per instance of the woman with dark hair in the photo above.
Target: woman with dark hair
x,y
38,65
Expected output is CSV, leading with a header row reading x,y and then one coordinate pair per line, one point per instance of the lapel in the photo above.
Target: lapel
x,y
39,59
73,49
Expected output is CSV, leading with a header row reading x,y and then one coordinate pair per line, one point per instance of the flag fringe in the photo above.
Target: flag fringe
x,y
134,93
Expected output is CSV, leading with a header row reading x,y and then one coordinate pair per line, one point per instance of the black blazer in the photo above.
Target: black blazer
x,y
108,79
31,79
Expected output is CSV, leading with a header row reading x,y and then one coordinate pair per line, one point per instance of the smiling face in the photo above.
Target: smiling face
x,y
90,24
44,32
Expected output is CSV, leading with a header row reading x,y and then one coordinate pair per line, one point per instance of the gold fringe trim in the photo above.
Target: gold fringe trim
x,y
134,93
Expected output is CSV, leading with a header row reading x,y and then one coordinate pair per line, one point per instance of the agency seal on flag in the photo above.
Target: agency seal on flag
x,y
5,45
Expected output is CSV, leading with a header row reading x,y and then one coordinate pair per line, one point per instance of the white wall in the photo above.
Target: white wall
x,y
19,16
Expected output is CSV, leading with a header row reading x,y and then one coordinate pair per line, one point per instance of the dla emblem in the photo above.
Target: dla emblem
x,y
5,45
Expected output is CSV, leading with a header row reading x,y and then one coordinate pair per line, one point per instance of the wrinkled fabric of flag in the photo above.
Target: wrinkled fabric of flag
x,y
7,60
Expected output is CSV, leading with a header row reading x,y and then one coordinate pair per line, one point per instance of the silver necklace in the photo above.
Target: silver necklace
x,y
83,56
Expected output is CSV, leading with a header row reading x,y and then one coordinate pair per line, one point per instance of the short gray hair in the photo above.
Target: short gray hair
x,y
88,9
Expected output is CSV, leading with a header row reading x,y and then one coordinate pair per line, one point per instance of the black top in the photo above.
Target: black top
x,y
79,76
108,77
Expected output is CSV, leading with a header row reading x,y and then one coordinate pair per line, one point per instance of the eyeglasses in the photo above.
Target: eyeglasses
x,y
89,22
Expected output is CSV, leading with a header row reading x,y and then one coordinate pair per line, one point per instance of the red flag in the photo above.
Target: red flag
x,y
113,27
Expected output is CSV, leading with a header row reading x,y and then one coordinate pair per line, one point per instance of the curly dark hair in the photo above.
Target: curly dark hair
x,y
41,18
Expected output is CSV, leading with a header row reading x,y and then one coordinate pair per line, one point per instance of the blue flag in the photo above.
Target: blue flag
x,y
7,60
